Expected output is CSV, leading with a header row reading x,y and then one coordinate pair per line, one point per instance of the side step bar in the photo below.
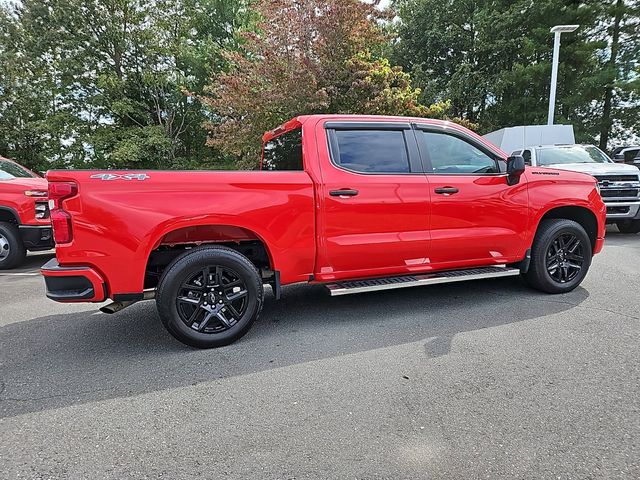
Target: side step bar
x,y
388,283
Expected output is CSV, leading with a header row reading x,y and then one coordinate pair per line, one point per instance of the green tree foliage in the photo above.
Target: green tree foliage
x,y
307,57
149,84
102,83
492,59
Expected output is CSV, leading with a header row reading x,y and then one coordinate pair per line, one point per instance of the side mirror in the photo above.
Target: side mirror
x,y
515,168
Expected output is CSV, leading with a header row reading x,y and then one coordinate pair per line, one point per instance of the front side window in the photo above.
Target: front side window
x,y
527,157
371,151
630,155
10,170
452,155
283,152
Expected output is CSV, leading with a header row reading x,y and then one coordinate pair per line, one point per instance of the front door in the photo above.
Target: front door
x,y
374,201
476,217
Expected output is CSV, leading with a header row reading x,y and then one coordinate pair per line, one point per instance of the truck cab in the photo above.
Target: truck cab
x,y
619,183
24,214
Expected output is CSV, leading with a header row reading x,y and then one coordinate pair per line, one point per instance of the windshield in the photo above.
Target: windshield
x,y
571,154
10,170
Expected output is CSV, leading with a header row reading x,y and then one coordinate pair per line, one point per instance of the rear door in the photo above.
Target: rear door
x,y
374,201
476,218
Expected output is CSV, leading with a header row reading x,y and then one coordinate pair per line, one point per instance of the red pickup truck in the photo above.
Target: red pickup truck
x,y
357,203
24,214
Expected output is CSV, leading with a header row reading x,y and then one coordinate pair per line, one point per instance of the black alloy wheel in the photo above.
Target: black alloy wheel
x,y
560,256
212,300
209,296
565,258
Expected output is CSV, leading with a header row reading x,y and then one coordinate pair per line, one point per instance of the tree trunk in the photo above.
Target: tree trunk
x,y
606,121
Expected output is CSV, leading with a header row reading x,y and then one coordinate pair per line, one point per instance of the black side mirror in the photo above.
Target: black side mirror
x,y
515,168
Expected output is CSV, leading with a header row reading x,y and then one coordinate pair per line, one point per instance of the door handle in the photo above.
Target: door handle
x,y
446,190
345,192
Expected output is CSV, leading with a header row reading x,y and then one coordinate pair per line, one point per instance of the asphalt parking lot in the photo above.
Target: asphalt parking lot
x,y
472,380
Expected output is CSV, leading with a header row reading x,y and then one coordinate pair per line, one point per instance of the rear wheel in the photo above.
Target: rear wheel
x,y
560,256
209,297
629,226
12,250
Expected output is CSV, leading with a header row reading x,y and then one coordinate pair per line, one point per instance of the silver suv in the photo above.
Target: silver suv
x,y
619,183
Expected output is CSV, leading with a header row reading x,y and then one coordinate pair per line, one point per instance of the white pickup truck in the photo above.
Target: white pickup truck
x,y
554,147
619,183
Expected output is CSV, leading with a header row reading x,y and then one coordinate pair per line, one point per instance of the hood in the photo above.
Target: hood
x,y
35,183
597,168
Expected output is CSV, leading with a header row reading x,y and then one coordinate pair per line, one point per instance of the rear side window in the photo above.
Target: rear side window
x,y
283,152
449,154
371,151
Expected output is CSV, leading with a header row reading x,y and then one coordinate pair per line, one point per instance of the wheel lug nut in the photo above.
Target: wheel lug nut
x,y
220,301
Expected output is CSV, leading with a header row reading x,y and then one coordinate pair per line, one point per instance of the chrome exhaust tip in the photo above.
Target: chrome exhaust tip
x,y
115,307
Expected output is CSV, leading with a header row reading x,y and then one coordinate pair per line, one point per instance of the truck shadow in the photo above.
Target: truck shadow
x,y
63,360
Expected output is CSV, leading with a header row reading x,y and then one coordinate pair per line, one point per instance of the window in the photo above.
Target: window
x,y
630,155
283,152
371,151
10,170
571,154
527,157
449,154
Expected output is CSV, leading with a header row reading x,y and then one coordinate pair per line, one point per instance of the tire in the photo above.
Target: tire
x,y
554,244
12,250
629,226
195,310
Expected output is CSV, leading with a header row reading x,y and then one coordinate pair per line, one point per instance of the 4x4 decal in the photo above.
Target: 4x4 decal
x,y
124,176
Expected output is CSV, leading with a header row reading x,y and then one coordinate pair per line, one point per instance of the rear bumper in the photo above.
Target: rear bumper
x,y
73,284
36,237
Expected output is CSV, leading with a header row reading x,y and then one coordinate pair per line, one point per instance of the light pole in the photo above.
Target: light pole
x,y
557,31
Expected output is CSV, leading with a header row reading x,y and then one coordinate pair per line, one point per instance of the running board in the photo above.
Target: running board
x,y
388,283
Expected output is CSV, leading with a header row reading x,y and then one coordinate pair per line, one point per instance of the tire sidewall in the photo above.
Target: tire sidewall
x,y
17,250
189,264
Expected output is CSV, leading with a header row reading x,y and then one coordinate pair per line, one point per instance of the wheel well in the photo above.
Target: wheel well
x,y
7,215
181,240
583,216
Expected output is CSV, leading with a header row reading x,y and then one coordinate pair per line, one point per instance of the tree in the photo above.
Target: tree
x,y
492,59
306,57
619,107
101,83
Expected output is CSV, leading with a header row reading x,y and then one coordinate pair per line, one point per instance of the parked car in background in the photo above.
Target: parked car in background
x,y
619,183
24,214
629,154
357,203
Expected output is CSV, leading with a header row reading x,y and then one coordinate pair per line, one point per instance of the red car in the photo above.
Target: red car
x,y
24,214
357,203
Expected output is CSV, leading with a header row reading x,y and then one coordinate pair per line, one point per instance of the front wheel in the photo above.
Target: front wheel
x,y
209,297
560,256
629,226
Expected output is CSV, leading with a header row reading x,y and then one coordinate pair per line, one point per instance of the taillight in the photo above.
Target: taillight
x,y
60,219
